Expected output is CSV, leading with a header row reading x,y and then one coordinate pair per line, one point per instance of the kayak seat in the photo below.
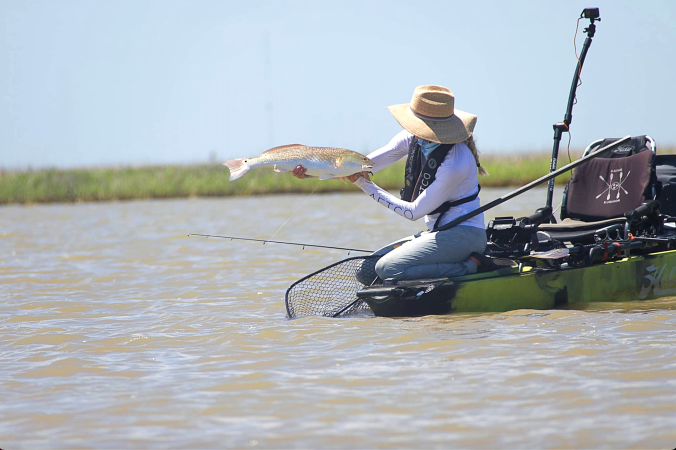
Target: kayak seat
x,y
578,231
603,189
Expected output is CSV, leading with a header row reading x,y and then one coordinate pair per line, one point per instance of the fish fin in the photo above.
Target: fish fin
x,y
283,147
344,180
238,168
326,177
339,161
277,169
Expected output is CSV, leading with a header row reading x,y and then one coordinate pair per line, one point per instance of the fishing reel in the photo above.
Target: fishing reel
x,y
511,238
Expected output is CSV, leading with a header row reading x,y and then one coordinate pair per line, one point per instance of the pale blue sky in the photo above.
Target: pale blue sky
x,y
143,82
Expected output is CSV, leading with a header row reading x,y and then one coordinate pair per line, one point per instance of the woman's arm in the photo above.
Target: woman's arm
x,y
396,149
447,180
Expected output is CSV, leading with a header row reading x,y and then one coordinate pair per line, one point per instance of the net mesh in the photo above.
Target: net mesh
x,y
332,291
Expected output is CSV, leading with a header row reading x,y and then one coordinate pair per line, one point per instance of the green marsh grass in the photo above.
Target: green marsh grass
x,y
126,183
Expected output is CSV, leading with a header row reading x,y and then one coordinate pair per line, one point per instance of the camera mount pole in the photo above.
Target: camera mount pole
x,y
592,14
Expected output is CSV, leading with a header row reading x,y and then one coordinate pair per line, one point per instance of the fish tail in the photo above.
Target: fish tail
x,y
238,168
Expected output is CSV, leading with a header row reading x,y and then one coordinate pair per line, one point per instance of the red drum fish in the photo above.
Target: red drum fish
x,y
320,162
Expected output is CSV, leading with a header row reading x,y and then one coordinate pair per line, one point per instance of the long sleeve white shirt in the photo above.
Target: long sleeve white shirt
x,y
456,178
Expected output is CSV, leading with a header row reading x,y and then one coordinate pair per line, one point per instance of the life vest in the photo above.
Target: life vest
x,y
418,177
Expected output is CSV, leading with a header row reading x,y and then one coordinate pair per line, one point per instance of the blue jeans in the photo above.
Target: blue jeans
x,y
432,254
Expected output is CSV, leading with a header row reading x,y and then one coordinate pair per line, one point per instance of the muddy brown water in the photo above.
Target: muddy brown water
x,y
119,331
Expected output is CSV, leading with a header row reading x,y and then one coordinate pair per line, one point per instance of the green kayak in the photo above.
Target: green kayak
x,y
524,287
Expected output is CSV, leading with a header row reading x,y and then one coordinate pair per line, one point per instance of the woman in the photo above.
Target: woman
x,y
441,185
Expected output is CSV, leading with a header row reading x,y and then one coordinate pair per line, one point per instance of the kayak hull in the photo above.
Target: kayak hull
x,y
633,278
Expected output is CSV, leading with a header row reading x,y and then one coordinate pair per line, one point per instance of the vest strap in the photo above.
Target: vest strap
x,y
421,172
443,209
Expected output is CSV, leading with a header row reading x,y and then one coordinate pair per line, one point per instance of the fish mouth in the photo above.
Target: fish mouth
x,y
366,167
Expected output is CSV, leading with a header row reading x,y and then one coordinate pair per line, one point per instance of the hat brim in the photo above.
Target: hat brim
x,y
457,128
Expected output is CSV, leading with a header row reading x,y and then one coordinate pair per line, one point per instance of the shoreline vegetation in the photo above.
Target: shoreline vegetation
x,y
211,180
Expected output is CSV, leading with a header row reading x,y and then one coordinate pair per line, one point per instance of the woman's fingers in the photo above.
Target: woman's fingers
x,y
299,172
355,177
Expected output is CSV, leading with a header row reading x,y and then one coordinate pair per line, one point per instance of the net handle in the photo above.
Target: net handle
x,y
355,303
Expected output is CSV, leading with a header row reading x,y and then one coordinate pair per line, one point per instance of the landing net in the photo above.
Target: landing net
x,y
332,291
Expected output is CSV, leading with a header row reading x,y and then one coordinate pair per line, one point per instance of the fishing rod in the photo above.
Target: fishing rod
x,y
265,241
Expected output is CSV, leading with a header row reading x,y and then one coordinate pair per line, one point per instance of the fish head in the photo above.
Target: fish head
x,y
354,162
366,164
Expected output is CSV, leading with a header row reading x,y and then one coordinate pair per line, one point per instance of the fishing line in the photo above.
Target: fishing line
x,y
569,138
557,208
295,211
579,63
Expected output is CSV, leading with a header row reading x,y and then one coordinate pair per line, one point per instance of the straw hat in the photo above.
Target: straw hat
x,y
431,115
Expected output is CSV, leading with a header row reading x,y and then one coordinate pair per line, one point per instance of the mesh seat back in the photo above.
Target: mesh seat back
x,y
611,184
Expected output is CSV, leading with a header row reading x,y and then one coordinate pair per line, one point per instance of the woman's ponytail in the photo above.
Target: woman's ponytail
x,y
472,146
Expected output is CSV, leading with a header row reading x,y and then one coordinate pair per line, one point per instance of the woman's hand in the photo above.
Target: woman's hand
x,y
356,176
299,172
